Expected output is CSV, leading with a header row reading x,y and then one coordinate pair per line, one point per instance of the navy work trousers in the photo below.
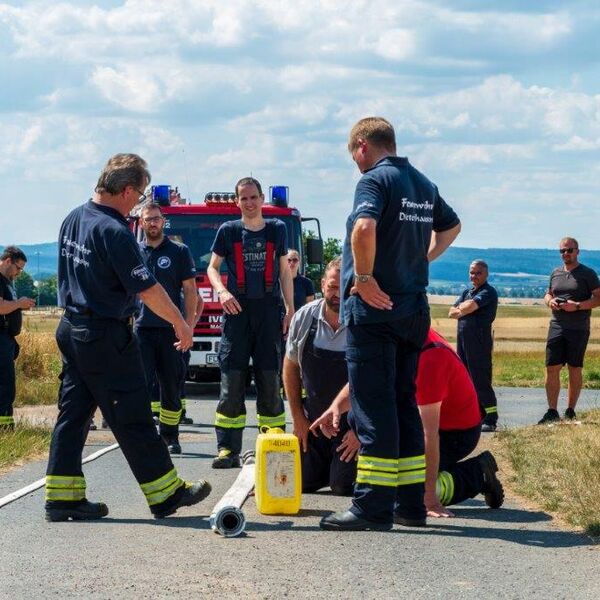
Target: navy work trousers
x,y
163,363
466,476
102,367
474,346
382,364
254,333
7,377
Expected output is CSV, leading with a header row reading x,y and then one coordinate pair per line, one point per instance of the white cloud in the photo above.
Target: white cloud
x,y
483,101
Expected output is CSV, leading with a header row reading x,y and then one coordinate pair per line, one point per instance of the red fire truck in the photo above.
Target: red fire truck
x,y
196,226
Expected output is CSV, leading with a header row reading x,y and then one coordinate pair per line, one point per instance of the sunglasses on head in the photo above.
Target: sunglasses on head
x,y
567,250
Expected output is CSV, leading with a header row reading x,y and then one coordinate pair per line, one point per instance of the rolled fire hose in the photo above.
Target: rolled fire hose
x,y
227,517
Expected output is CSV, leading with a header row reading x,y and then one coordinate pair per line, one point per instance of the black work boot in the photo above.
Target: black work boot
x,y
185,420
493,492
189,494
174,447
75,511
226,460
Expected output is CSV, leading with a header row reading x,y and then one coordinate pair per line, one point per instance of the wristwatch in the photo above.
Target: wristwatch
x,y
362,278
577,306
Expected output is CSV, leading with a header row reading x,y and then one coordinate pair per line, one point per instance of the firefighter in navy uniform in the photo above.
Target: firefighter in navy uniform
x,y
258,273
316,360
398,224
475,310
12,262
100,271
173,267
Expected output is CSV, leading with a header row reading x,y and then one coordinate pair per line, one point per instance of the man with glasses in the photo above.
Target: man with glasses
x,y
573,291
475,310
12,262
101,272
173,267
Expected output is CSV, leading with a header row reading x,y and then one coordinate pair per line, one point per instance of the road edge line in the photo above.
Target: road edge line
x,y
36,485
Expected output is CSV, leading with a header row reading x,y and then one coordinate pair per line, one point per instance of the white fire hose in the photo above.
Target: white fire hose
x,y
227,517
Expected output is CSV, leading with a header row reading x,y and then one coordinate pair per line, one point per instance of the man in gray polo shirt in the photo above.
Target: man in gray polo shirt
x,y
573,291
316,361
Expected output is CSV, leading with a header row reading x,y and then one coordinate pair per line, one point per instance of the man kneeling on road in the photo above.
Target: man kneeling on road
x,y
315,359
451,418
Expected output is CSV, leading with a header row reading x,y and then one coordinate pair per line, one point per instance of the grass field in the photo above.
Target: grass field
x,y
519,349
24,443
37,367
558,468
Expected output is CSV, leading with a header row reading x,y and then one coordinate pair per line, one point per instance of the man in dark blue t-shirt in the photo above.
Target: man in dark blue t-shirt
x,y
100,273
173,267
398,224
12,263
258,274
475,310
573,291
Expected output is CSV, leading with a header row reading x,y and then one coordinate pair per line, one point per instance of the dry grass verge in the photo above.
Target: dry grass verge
x,y
38,367
558,468
24,443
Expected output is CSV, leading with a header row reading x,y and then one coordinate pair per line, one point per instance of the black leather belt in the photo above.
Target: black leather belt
x,y
87,315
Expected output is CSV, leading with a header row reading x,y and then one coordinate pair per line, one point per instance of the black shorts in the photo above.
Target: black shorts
x,y
566,346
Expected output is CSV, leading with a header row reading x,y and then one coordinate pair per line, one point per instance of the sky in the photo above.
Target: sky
x,y
498,103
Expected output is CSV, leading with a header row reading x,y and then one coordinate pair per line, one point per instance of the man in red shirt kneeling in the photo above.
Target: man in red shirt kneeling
x,y
451,418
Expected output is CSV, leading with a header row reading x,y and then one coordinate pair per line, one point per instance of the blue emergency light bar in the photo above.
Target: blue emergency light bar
x,y
280,195
161,194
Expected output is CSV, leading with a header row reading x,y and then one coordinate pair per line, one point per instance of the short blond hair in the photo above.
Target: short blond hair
x,y
375,130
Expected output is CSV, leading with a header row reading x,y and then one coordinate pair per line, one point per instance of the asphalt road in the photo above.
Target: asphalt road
x,y
508,553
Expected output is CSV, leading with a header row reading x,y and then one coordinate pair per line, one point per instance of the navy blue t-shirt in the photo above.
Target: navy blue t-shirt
x,y
254,253
407,208
486,298
100,267
171,264
303,287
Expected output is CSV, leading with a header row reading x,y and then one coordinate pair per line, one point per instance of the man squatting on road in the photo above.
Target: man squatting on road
x,y
100,273
475,310
254,250
573,291
173,267
12,262
398,224
451,418
316,361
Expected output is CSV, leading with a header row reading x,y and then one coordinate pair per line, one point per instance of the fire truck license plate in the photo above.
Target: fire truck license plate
x,y
212,359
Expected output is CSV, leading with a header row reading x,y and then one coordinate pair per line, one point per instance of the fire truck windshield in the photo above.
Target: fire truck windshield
x,y
198,231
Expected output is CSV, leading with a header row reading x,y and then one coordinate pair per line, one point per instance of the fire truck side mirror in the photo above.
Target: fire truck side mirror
x,y
314,251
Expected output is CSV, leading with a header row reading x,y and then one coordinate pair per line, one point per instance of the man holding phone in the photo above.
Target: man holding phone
x,y
573,291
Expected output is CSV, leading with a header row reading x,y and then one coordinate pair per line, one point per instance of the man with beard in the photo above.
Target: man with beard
x,y
573,291
316,360
173,267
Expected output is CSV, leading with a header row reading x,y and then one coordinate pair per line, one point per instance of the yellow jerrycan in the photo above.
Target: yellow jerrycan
x,y
278,487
